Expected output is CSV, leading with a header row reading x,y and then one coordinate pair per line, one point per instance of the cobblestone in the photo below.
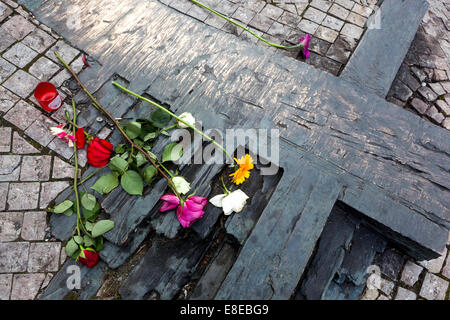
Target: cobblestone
x,y
18,27
34,225
26,286
50,190
44,69
5,139
35,168
65,51
6,69
10,225
433,288
23,196
39,130
62,170
44,256
21,83
21,146
5,286
7,99
3,194
434,265
39,40
405,294
411,273
13,256
20,55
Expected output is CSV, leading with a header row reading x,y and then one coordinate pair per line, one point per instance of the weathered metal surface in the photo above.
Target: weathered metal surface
x,y
338,140
384,45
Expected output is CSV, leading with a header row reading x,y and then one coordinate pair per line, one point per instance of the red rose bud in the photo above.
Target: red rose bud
x,y
81,139
98,152
90,258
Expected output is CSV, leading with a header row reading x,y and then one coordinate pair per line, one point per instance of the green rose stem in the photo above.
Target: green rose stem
x,y
75,176
248,30
100,108
176,117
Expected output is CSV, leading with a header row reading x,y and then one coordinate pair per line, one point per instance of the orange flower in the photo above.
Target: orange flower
x,y
245,165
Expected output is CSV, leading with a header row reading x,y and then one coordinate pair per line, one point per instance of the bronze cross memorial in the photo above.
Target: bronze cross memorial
x,y
356,173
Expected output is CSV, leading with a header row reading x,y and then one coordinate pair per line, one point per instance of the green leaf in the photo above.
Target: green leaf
x,y
172,152
89,226
164,132
88,201
78,240
132,183
118,164
63,206
152,156
88,241
71,247
98,244
149,136
150,173
140,159
133,129
160,118
139,142
102,227
121,148
106,183
91,215
68,212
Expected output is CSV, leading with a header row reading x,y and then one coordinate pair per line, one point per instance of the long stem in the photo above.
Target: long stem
x,y
103,110
167,170
176,117
246,29
75,179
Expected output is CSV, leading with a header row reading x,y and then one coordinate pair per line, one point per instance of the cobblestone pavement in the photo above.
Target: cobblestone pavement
x,y
336,26
35,166
422,84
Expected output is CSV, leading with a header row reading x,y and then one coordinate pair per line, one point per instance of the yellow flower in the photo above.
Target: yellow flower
x,y
245,165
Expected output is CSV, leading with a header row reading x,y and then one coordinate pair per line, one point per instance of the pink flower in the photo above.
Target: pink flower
x,y
304,45
192,208
63,135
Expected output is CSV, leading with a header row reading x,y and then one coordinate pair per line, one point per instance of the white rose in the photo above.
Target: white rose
x,y
181,185
187,117
233,202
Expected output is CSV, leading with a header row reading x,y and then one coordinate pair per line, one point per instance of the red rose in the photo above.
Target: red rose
x,y
81,139
90,258
98,152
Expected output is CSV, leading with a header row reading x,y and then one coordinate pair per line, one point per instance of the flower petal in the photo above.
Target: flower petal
x,y
217,200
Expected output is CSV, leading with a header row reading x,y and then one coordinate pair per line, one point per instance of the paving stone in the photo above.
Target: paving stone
x,y
324,63
326,34
35,168
215,21
446,123
10,226
39,130
272,12
44,256
382,297
22,115
244,15
289,19
319,46
34,225
7,99
60,78
435,115
352,31
339,11
261,23
6,69
23,196
21,83
440,75
341,49
362,10
435,265
62,170
39,40
446,269
3,195
26,286
370,294
322,5
314,15
411,273
61,148
405,294
66,52
427,93
419,74
18,27
21,146
396,101
43,69
446,86
405,76
20,55
332,23
401,91
386,287
78,64
198,13
357,19
47,280
420,106
50,190
308,26
348,4
279,30
6,40
13,256
8,163
433,287
5,139
5,286
182,6
4,12
437,88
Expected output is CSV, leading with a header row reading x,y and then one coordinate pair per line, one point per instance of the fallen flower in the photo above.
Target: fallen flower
x,y
88,257
99,152
80,137
304,42
232,202
192,208
245,165
63,135
181,185
187,117
85,62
